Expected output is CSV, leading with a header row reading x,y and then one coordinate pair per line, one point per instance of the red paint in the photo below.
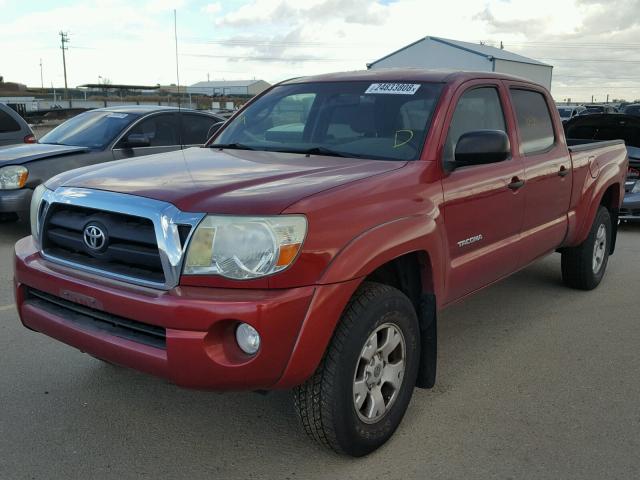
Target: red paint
x,y
360,215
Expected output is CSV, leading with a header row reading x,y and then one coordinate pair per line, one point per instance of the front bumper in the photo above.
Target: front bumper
x,y
199,323
630,209
14,201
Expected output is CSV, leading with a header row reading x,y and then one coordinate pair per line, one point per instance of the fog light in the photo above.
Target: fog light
x,y
248,338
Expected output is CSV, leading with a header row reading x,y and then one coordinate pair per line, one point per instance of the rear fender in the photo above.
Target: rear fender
x,y
582,217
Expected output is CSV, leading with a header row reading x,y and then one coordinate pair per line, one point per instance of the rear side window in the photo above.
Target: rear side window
x,y
477,109
534,121
195,128
8,124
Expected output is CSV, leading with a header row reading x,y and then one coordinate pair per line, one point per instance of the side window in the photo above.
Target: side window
x,y
8,124
195,128
534,121
477,109
161,130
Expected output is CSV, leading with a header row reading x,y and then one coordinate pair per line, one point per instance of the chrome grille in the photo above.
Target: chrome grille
x,y
144,238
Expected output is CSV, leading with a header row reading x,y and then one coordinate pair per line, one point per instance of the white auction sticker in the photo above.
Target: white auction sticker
x,y
117,115
393,88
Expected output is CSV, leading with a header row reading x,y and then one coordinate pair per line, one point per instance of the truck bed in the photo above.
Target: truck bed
x,y
582,145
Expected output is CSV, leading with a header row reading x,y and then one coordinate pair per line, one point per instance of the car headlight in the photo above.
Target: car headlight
x,y
13,177
636,187
34,214
245,247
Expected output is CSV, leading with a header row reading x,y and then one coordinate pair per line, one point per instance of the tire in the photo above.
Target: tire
x,y
326,403
584,266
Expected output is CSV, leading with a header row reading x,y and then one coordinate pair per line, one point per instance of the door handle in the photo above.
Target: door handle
x,y
516,184
564,171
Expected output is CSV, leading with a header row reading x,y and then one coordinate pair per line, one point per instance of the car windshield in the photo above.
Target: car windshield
x,y
594,110
94,129
564,112
386,121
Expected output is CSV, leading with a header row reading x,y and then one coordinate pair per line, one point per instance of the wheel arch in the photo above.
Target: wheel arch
x,y
404,254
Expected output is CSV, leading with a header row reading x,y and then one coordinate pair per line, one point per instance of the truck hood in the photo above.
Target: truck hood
x,y
19,154
225,181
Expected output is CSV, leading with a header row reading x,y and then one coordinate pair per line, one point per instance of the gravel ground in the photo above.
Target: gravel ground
x,y
535,381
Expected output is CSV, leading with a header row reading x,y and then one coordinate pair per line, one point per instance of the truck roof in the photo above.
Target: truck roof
x,y
405,74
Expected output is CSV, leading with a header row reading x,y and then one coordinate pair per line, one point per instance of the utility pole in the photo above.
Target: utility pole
x,y
64,39
175,33
41,77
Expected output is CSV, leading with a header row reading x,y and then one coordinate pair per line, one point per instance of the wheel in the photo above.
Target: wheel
x,y
358,395
8,217
583,266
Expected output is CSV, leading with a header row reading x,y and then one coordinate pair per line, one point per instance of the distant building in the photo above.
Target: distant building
x,y
229,87
442,53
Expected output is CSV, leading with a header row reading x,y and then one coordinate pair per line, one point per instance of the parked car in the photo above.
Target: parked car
x,y
609,127
312,244
633,109
568,112
13,128
93,137
594,109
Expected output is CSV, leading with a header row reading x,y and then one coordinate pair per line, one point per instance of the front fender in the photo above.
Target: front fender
x,y
345,273
385,242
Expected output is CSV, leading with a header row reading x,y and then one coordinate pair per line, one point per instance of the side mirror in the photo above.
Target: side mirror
x,y
214,128
481,147
136,140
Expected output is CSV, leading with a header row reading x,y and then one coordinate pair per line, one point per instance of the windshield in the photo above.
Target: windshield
x,y
594,110
387,121
564,112
94,129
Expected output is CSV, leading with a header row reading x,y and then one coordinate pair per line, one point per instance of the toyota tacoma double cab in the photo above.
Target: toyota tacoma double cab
x,y
310,244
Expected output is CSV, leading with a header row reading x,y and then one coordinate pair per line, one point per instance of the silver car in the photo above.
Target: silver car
x,y
97,136
13,128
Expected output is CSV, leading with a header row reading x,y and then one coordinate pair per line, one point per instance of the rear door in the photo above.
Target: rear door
x,y
162,130
547,172
483,215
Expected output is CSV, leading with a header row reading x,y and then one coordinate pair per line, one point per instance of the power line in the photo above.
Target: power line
x,y
595,60
272,59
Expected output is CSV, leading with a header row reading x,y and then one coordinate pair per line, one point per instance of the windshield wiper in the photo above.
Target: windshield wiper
x,y
321,151
235,146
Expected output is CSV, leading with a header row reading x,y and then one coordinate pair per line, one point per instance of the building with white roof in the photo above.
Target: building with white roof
x,y
441,53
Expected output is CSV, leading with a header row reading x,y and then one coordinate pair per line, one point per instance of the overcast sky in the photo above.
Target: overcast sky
x,y
594,45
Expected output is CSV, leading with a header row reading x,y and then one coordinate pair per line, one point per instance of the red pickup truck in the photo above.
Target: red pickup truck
x,y
312,242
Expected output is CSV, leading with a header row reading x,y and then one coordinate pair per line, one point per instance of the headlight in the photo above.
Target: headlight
x,y
245,247
36,201
13,177
636,187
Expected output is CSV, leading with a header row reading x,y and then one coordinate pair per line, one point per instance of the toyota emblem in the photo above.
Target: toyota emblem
x,y
95,237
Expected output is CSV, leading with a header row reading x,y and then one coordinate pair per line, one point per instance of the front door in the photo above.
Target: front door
x,y
483,206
